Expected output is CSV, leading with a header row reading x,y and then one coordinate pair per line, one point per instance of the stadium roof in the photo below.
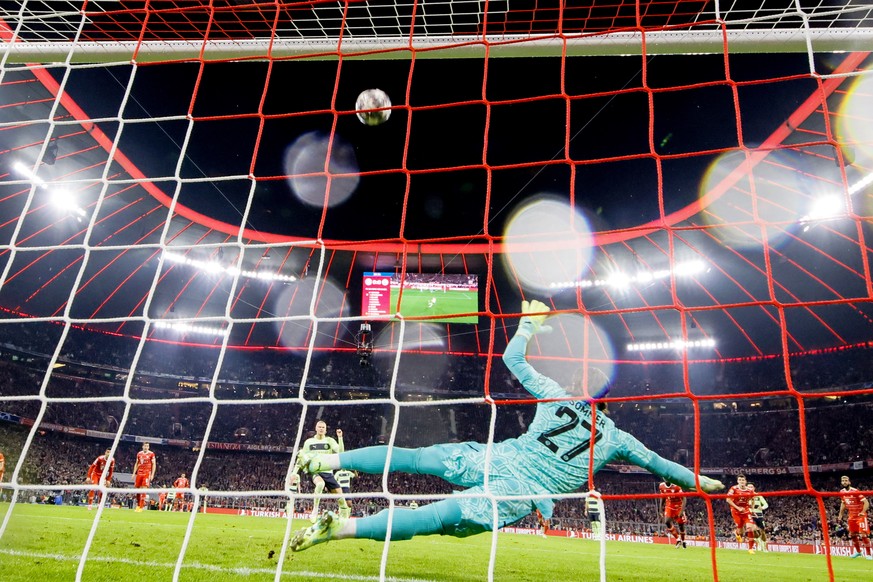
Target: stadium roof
x,y
668,158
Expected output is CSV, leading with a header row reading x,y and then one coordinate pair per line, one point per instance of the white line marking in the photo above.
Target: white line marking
x,y
208,567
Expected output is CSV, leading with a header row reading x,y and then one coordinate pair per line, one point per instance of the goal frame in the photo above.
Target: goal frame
x,y
631,43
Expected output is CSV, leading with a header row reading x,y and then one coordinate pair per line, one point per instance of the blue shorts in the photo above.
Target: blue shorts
x,y
330,482
759,521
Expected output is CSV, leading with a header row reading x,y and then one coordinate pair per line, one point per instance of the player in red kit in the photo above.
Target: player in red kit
x,y
144,470
541,521
2,466
95,472
856,505
674,512
179,501
738,497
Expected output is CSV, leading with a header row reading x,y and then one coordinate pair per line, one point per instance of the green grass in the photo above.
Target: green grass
x,y
43,543
415,303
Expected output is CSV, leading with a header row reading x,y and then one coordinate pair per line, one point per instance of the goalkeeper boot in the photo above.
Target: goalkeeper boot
x,y
710,485
311,463
321,531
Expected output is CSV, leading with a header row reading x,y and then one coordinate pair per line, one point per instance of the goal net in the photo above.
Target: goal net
x,y
203,248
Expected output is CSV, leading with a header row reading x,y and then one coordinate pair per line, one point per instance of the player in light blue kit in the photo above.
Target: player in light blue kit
x,y
551,458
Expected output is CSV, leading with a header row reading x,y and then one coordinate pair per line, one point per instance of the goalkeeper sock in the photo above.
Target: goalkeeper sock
x,y
367,460
436,518
425,461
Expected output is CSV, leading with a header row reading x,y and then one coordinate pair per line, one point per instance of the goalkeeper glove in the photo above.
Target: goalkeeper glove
x,y
533,324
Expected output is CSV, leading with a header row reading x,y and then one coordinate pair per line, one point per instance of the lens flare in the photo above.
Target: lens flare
x,y
294,302
576,343
765,193
546,241
855,121
309,173
855,135
424,370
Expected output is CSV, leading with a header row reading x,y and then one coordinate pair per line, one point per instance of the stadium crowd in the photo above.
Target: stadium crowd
x,y
57,459
256,402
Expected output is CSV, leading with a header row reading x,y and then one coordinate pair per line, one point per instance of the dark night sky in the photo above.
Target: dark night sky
x,y
623,193
461,130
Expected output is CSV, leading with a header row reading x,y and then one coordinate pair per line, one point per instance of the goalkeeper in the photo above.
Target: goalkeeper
x,y
551,458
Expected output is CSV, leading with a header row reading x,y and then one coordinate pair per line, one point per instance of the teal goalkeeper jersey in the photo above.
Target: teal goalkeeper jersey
x,y
557,447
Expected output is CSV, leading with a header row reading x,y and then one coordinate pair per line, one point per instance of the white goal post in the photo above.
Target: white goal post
x,y
47,32
613,44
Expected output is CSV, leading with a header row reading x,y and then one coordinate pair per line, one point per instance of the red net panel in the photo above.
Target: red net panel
x,y
197,230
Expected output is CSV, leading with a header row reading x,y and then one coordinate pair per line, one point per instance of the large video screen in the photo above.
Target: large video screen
x,y
424,294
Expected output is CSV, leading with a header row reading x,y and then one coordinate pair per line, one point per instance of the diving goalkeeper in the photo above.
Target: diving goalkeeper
x,y
551,458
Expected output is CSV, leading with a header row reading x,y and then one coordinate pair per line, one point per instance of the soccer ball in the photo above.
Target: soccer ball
x,y
373,99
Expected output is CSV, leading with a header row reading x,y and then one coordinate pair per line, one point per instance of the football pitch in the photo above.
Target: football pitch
x,y
43,543
423,302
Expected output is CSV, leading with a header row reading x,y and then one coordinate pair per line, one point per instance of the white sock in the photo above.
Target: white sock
x,y
319,488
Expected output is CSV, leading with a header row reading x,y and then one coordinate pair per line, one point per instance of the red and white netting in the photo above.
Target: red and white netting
x,y
688,183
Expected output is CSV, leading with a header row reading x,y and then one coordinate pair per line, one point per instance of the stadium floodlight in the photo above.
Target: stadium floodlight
x,y
831,206
27,173
678,345
689,268
184,327
619,280
215,268
861,184
63,199
824,208
60,198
